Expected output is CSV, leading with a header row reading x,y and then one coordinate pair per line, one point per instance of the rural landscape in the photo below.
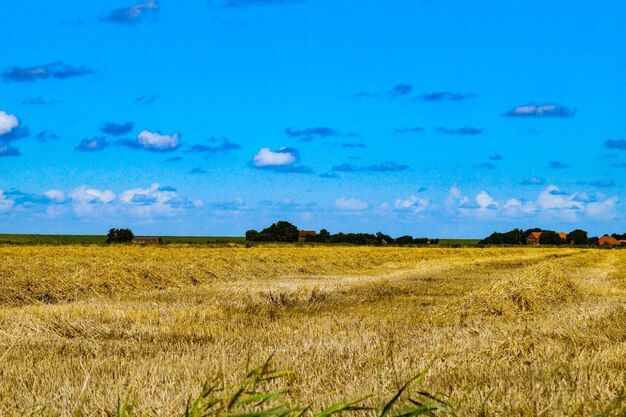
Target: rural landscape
x,y
312,208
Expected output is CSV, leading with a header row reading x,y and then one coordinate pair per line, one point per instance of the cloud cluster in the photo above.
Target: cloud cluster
x,y
400,90
133,14
146,203
45,136
225,146
147,99
466,130
10,131
94,144
37,101
384,167
244,3
117,129
413,204
56,70
533,181
541,110
307,135
557,165
551,204
154,141
416,129
446,95
351,204
615,144
285,160
8,122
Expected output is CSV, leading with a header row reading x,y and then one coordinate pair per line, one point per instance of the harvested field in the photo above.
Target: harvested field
x,y
518,331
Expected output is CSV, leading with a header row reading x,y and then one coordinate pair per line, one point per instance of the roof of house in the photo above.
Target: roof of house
x,y
562,235
306,232
536,235
609,239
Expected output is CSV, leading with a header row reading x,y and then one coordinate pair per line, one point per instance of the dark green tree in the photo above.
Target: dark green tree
x,y
548,237
282,232
251,235
323,236
119,236
404,240
579,237
513,237
383,238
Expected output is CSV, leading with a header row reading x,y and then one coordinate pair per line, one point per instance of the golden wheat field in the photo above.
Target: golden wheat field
x,y
499,332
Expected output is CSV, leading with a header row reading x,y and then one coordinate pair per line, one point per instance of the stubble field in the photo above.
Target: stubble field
x,y
507,331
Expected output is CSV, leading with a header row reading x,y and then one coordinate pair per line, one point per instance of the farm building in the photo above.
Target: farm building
x,y
610,240
147,240
303,234
535,237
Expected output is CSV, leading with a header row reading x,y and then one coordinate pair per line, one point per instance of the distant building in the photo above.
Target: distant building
x,y
610,240
147,240
535,237
303,234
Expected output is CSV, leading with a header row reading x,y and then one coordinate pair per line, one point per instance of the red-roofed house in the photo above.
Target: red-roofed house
x,y
610,240
533,238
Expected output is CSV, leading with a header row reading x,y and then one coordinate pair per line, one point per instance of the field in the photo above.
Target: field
x,y
498,331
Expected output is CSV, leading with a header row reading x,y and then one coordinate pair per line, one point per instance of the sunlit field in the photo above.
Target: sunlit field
x,y
506,331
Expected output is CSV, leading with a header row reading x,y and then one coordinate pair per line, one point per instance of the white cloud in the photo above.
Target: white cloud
x,y
604,210
455,198
6,203
552,198
155,201
266,157
83,194
485,201
551,204
8,122
351,204
90,202
157,141
516,208
57,196
413,203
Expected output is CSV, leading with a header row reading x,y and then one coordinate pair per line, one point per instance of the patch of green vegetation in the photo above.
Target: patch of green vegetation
x,y
21,239
461,242
32,239
198,240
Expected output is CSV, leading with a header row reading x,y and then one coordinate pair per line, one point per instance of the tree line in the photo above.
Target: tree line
x,y
283,231
548,237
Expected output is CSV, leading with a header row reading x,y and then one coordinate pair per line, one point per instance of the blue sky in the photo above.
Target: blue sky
x,y
423,117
